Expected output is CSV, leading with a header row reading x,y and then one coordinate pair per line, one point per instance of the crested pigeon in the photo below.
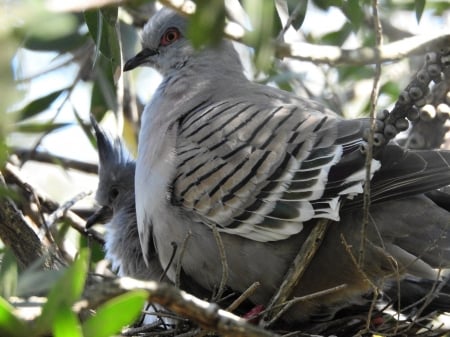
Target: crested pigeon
x,y
115,195
262,166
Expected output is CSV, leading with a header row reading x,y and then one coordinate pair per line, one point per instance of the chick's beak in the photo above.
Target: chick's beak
x,y
103,215
140,58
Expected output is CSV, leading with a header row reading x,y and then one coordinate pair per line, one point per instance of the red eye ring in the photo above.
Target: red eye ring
x,y
170,35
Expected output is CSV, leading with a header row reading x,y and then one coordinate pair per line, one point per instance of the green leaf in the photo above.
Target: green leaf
x,y
8,274
65,292
112,316
326,4
209,17
338,37
352,73
10,325
420,7
292,5
66,324
35,280
65,43
39,127
102,27
38,105
354,12
46,29
266,25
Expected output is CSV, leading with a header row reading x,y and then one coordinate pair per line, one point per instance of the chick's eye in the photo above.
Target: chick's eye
x,y
113,194
169,36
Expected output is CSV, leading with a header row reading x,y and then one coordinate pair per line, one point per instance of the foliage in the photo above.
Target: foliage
x,y
92,41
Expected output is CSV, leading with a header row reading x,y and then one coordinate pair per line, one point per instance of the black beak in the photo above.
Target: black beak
x,y
101,216
140,58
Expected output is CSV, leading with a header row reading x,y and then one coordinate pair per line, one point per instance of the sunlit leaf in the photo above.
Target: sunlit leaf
x,y
44,27
8,274
207,24
66,323
64,293
112,316
266,25
35,127
10,325
38,105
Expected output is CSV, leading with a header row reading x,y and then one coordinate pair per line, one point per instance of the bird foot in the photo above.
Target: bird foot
x,y
254,314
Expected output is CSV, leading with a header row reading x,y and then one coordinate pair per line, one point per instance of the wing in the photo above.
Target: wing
x,y
258,168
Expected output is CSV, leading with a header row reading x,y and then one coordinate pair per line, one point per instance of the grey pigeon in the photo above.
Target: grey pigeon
x,y
115,195
263,166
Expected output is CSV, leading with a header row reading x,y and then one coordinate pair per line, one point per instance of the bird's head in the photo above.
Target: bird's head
x,y
115,191
164,43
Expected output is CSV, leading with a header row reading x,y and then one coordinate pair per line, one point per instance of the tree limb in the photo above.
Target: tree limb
x,y
18,234
43,157
207,315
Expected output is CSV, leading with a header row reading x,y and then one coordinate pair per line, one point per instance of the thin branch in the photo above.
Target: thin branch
x,y
320,54
288,304
207,315
296,271
369,153
223,262
43,157
245,295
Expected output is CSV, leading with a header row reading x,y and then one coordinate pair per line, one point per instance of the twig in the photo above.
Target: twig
x,y
206,315
283,307
180,257
224,263
245,295
43,157
295,272
369,153
62,210
330,55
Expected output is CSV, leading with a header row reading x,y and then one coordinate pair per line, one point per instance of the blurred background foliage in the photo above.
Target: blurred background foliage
x,y
62,60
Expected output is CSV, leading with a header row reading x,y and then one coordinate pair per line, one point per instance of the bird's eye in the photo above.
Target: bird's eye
x,y
113,194
170,36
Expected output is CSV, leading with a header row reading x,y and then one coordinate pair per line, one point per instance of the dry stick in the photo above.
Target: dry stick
x,y
224,263
180,258
61,211
296,271
286,305
44,157
245,295
369,154
13,174
207,315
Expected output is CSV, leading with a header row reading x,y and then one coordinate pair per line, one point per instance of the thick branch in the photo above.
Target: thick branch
x,y
207,315
17,233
